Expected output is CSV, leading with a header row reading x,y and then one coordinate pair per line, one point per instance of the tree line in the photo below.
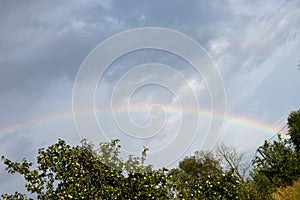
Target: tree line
x,y
81,172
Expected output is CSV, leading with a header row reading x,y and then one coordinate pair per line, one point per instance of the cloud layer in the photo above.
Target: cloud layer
x,y
254,44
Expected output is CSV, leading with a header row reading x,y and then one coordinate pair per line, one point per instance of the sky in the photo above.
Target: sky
x,y
147,97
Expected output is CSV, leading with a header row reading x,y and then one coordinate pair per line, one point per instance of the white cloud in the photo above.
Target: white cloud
x,y
107,4
257,46
219,45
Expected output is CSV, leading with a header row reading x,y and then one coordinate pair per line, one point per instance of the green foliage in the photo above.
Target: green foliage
x,y
201,177
278,162
261,185
65,172
217,186
247,190
294,129
191,169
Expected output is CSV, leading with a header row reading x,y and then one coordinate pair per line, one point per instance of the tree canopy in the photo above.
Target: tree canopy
x,y
294,128
78,172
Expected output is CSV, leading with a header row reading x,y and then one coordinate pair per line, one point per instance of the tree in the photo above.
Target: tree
x,y
277,165
201,177
278,161
217,186
294,129
234,161
79,172
191,169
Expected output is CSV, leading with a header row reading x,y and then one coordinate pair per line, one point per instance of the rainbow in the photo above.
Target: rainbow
x,y
266,128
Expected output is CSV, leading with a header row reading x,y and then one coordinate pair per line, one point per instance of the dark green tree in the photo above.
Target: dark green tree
x,y
191,169
278,162
294,129
201,177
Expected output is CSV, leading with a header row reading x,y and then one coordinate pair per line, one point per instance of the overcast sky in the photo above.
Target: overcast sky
x,y
255,45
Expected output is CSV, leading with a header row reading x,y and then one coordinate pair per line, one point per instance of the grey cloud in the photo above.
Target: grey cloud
x,y
42,45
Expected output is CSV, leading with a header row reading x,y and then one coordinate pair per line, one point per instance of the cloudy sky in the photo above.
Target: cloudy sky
x,y
254,46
